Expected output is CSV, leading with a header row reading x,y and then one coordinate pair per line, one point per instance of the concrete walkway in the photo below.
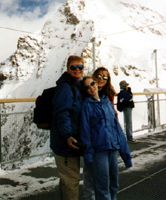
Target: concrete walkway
x,y
145,181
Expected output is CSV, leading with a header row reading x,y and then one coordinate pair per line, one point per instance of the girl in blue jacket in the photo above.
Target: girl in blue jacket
x,y
102,133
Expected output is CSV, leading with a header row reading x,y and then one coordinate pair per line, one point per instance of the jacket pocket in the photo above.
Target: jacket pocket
x,y
99,136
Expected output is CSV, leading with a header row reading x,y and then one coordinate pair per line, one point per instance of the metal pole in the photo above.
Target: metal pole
x,y
94,64
155,51
153,113
0,140
158,105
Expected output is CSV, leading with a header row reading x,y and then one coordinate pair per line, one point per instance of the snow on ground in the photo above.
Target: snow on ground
x,y
26,183
40,61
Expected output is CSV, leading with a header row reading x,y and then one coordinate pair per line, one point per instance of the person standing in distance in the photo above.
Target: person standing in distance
x,y
64,127
126,104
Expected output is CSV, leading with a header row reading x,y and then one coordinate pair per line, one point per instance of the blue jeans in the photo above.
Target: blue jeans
x,y
88,187
105,174
127,114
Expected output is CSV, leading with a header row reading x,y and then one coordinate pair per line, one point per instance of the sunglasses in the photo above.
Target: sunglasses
x,y
91,84
74,67
103,77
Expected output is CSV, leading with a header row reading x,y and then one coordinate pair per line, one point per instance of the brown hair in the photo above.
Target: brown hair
x,y
84,91
108,89
73,58
87,77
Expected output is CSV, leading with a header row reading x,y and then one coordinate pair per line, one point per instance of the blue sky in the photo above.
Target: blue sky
x,y
31,5
21,8
26,15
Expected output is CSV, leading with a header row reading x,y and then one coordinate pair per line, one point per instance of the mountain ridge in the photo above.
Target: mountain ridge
x,y
120,45
70,26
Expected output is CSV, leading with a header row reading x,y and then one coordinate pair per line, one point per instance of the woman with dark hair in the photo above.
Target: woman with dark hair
x,y
101,132
103,79
102,76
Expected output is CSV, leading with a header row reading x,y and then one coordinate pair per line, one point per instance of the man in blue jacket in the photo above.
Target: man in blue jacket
x,y
67,104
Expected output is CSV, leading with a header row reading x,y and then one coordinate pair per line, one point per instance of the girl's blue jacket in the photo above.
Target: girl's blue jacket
x,y
100,129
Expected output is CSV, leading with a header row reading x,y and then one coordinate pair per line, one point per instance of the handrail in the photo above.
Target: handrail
x,y
149,93
150,123
34,99
17,100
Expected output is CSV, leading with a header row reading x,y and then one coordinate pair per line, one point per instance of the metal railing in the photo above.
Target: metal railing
x,y
21,141
149,112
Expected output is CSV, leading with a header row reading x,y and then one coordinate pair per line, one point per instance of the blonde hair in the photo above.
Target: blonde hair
x,y
73,58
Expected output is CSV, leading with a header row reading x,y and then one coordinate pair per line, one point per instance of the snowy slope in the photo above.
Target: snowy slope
x,y
120,43
125,40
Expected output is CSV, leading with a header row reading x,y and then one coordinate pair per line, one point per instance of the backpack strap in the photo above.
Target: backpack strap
x,y
119,104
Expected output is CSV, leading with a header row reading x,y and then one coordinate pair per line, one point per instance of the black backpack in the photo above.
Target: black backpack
x,y
119,104
43,110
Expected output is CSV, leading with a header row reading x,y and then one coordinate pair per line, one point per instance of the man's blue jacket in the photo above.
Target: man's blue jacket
x,y
125,99
66,114
100,129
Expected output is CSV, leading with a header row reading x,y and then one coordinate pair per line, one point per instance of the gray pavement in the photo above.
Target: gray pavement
x,y
145,181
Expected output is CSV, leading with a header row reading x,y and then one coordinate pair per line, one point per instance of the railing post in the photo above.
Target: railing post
x,y
151,113
0,140
94,58
158,111
157,85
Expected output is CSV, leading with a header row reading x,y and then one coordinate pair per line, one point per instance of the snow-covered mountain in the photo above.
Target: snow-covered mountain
x,y
126,36
125,43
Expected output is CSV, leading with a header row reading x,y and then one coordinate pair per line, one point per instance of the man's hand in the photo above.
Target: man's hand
x,y
70,142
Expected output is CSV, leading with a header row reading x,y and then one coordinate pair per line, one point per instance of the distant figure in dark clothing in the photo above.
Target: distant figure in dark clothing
x,y
126,104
